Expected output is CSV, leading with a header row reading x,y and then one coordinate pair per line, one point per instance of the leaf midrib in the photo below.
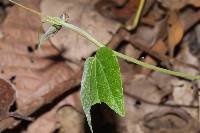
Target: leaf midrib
x,y
101,66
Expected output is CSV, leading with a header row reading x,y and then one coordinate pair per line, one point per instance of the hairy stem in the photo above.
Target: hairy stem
x,y
125,57
26,8
58,21
83,33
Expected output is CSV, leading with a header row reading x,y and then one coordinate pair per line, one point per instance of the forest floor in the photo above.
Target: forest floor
x,y
44,84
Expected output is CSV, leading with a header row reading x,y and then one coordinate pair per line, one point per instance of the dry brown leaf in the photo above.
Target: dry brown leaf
x,y
189,18
50,121
119,2
131,51
141,97
196,3
7,98
186,56
163,81
146,34
34,73
121,10
150,35
145,89
110,9
137,91
153,15
183,93
70,120
83,14
32,70
175,32
135,112
170,120
178,4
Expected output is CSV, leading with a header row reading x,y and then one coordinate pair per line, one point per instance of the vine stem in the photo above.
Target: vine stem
x,y
58,21
26,8
128,58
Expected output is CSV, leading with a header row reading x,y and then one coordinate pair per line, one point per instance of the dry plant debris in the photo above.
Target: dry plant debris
x,y
168,36
7,95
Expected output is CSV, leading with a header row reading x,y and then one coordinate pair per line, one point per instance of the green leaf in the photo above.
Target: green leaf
x,y
101,82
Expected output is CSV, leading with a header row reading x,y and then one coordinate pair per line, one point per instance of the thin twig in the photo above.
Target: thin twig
x,y
57,91
135,20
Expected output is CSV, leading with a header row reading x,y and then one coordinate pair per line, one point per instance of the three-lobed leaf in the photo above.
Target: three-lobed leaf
x,y
101,82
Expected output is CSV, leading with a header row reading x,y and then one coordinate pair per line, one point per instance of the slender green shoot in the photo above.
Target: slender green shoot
x,y
59,21
29,9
